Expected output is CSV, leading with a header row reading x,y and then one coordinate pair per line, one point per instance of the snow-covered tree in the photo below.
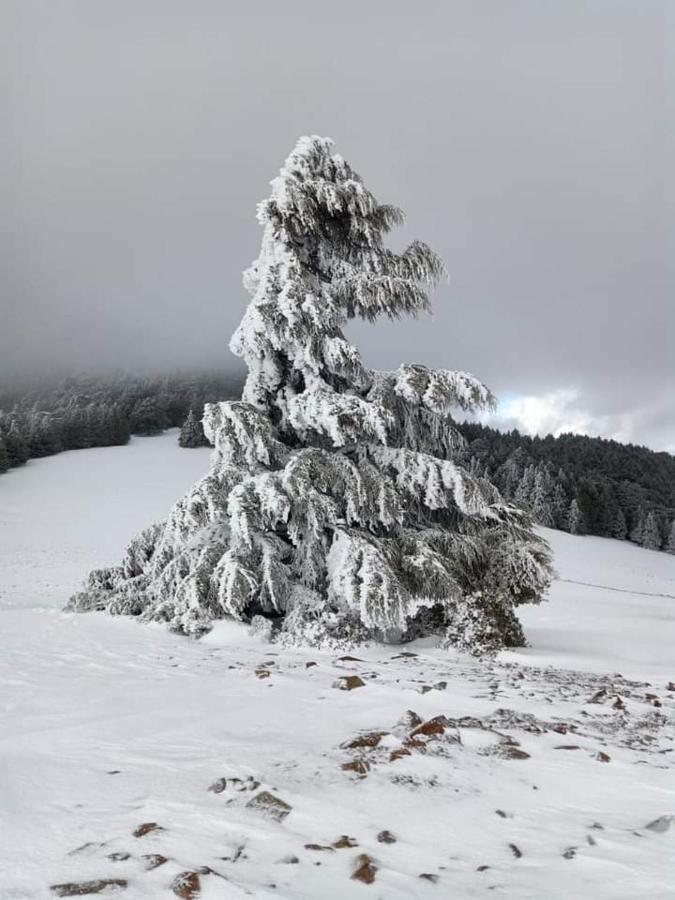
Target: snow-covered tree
x,y
336,505
575,519
618,527
651,535
637,531
541,500
192,432
669,546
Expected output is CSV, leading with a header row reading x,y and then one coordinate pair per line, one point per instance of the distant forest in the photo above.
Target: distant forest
x,y
582,485
102,412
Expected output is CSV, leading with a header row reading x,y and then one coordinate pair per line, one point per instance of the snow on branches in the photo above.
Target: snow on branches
x,y
337,505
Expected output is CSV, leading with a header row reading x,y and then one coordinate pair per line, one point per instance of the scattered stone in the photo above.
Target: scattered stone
x,y
319,847
598,826
440,685
344,841
591,840
661,824
368,739
269,805
567,747
82,888
599,696
618,703
360,766
119,856
308,665
509,751
409,720
154,860
569,853
88,847
502,814
601,756
670,686
399,754
515,849
218,786
405,655
262,673
186,885
424,688
482,868
365,869
386,837
560,727
349,683
429,877
147,828
349,659
432,727
290,860
114,772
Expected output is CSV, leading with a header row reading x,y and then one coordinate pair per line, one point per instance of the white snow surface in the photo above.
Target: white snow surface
x,y
107,724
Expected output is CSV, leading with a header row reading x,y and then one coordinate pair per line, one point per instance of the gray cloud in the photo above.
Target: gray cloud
x,y
527,141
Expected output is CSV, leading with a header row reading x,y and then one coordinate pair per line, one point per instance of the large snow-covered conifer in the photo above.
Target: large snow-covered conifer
x,y
335,505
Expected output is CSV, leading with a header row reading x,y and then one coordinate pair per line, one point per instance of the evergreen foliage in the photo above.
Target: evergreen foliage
x,y
337,505
614,487
192,432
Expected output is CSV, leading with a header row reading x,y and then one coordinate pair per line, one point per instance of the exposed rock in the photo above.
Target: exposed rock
x,y
399,754
502,814
431,728
406,654
365,869
661,824
567,747
120,856
670,686
349,683
368,739
440,685
427,876
154,860
386,837
618,703
82,888
509,751
319,847
601,756
569,852
262,673
290,860
409,720
308,665
482,868
515,849
360,766
599,696
344,841
349,659
186,885
269,805
424,688
218,786
147,828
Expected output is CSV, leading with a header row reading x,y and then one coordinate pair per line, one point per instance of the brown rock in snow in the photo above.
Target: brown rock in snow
x,y
386,837
269,805
349,683
186,885
365,869
83,888
154,860
147,828
344,841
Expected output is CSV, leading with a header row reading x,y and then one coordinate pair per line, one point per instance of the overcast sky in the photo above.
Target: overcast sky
x,y
527,142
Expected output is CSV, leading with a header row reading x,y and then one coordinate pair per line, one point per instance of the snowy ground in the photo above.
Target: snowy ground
x,y
526,789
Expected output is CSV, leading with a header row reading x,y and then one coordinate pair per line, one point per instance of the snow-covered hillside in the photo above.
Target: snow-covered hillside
x,y
530,777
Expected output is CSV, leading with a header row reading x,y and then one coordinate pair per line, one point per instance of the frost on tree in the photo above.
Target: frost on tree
x,y
335,506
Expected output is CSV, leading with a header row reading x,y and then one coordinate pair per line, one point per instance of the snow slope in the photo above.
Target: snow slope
x,y
107,725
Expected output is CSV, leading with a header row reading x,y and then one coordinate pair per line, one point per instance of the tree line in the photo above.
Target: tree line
x,y
83,412
579,484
